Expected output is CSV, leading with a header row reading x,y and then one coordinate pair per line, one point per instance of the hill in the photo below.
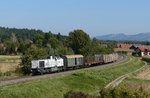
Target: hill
x,y
24,33
5,33
124,37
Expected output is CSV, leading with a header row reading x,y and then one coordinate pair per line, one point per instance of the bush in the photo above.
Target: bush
x,y
122,52
122,92
1,74
32,53
26,70
18,69
71,94
145,58
8,73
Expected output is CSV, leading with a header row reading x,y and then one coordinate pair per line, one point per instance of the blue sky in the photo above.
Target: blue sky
x,y
96,17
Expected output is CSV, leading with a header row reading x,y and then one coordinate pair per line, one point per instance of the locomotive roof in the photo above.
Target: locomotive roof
x,y
73,56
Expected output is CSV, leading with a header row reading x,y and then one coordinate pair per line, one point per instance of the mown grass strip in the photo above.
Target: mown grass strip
x,y
87,81
134,80
9,58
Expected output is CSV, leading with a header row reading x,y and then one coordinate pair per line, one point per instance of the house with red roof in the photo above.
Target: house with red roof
x,y
4,48
142,51
126,46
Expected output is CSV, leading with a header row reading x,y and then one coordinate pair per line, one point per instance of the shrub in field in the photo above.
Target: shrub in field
x,y
8,73
1,74
18,69
33,53
122,92
145,58
71,94
122,52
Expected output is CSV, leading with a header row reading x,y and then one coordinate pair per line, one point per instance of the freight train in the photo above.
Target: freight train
x,y
62,63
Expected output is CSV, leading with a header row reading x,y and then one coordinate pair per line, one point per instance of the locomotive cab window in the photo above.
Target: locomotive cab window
x,y
41,63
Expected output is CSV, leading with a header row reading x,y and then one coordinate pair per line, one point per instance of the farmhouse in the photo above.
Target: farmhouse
x,y
142,51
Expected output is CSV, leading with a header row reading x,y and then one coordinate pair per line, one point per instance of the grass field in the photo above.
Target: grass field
x,y
8,65
139,79
134,83
89,81
3,57
125,50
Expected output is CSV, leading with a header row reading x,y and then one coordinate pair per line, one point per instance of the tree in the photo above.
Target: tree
x,y
47,36
21,47
64,51
54,42
59,37
79,41
50,50
13,38
2,50
32,53
38,40
11,47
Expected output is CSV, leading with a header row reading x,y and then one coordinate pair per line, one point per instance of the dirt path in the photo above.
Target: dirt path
x,y
121,78
145,75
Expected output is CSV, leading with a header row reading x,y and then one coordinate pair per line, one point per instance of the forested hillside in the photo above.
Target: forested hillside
x,y
5,33
25,34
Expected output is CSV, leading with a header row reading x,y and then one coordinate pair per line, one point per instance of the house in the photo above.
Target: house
x,y
4,47
126,46
142,51
105,45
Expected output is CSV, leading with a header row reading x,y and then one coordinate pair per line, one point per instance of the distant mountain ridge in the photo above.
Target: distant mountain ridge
x,y
124,37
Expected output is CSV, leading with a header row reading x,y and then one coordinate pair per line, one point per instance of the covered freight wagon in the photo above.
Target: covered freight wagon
x,y
73,60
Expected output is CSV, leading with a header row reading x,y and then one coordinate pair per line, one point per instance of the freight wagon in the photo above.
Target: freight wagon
x,y
100,59
71,61
110,58
93,60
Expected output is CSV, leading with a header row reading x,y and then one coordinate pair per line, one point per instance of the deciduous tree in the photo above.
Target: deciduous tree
x,y
79,41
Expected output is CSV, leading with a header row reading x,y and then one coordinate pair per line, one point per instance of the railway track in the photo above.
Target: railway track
x,y
30,78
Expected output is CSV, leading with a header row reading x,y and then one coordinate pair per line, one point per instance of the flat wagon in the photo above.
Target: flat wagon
x,y
93,60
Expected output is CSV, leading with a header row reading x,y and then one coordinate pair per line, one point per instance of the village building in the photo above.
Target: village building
x,y
105,45
126,46
142,51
